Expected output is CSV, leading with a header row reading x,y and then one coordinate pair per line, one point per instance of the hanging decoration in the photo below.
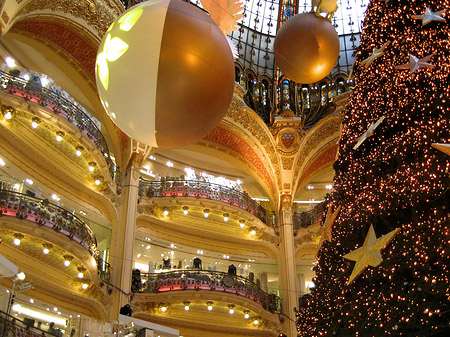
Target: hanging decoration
x,y
165,73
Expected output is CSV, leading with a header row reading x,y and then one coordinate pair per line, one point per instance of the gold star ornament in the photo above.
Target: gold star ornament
x,y
369,133
376,53
326,229
370,252
442,147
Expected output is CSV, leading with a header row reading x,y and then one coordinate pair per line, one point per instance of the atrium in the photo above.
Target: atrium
x,y
216,238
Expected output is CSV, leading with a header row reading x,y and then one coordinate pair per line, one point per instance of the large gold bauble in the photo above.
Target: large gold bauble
x,y
306,48
165,73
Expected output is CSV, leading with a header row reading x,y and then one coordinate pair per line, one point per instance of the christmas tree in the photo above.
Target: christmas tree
x,y
384,268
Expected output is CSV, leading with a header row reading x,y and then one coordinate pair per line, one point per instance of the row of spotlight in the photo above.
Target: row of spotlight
x,y
46,250
163,307
35,121
206,211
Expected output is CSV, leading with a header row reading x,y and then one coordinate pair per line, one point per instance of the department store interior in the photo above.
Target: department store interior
x,y
216,238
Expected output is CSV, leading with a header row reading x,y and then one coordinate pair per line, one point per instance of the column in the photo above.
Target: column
x,y
264,281
123,234
287,266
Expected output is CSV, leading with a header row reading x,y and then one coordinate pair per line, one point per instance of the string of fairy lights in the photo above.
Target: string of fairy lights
x,y
394,179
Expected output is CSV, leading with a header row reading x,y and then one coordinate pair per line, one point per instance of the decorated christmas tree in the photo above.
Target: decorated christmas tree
x,y
383,266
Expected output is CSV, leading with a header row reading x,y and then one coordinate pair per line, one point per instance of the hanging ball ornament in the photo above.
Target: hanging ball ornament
x,y
165,73
306,48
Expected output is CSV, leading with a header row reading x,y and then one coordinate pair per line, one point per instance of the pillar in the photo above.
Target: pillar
x,y
287,266
264,281
123,234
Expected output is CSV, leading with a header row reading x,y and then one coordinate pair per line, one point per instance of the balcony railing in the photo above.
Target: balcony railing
x,y
206,280
308,218
45,213
30,91
207,190
11,326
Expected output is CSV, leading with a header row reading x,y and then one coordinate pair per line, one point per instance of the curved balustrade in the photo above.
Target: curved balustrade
x,y
308,218
45,213
12,326
206,280
59,105
207,190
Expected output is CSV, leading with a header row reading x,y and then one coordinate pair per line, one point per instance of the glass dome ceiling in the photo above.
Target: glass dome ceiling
x,y
258,27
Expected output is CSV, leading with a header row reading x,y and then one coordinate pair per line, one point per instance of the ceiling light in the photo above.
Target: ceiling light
x,y
166,212
84,286
152,157
169,164
67,259
29,181
329,187
97,182
59,135
16,241
80,275
210,304
54,196
206,212
45,251
172,245
2,162
164,309
255,322
310,187
210,307
138,255
31,301
231,307
8,114
92,166
231,311
252,232
242,223
16,186
78,151
10,62
246,316
55,309
148,247
186,305
185,210
21,276
225,217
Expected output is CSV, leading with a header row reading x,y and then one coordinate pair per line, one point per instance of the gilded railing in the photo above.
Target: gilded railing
x,y
44,213
205,280
11,326
308,218
30,91
207,190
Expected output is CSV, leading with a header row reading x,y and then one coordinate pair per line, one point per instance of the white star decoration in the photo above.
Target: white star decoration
x,y
416,63
430,16
369,132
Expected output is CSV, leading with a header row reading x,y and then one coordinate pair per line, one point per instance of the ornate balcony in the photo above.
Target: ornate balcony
x,y
308,218
206,280
202,189
11,326
62,107
44,213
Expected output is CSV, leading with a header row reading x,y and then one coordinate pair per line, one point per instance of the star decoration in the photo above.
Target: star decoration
x,y
429,16
376,53
326,229
416,63
370,252
369,133
442,147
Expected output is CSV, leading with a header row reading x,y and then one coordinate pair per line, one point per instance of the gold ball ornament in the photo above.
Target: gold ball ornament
x,y
306,48
165,73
